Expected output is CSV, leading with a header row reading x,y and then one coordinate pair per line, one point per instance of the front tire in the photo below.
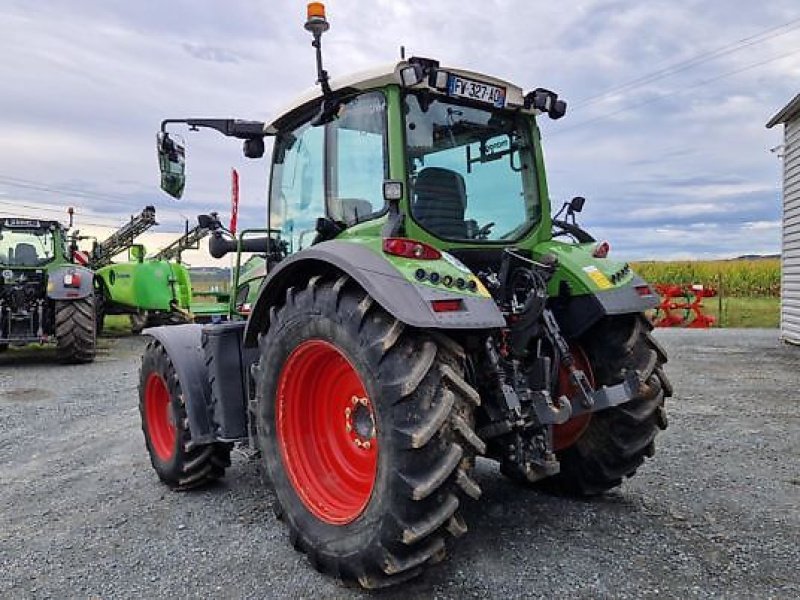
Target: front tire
x,y
75,330
165,425
617,440
366,430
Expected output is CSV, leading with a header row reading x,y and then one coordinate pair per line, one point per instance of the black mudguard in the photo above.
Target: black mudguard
x,y
56,290
183,344
577,314
405,301
211,365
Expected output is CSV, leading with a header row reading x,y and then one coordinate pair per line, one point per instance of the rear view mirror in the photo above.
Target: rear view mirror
x,y
172,163
576,204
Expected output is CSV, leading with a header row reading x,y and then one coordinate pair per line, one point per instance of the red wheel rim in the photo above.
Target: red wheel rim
x,y
158,417
568,433
326,432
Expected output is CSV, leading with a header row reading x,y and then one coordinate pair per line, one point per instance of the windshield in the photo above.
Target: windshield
x,y
471,171
25,247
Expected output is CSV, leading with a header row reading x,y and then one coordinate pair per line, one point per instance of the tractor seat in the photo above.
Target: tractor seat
x,y
25,254
354,209
440,200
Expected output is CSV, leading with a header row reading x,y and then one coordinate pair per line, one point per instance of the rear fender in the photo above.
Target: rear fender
x,y
408,303
56,290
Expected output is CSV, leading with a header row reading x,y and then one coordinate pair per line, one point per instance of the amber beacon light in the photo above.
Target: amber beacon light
x,y
316,17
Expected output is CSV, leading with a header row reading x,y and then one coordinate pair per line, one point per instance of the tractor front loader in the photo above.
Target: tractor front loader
x,y
44,297
421,308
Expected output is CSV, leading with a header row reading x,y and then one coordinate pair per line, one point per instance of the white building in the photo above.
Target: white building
x,y
789,116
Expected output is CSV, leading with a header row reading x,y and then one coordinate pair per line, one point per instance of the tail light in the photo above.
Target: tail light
x,y
72,280
601,250
410,249
643,290
454,305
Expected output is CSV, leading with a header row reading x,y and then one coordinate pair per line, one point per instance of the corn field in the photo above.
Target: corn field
x,y
735,278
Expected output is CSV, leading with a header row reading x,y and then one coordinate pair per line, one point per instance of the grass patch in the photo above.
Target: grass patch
x,y
743,312
117,325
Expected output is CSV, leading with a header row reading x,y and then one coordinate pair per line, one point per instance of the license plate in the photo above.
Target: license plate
x,y
461,87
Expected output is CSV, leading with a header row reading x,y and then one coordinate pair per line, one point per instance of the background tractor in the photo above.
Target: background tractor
x,y
421,308
44,297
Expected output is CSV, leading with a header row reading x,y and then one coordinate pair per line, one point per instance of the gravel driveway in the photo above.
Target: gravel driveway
x,y
715,514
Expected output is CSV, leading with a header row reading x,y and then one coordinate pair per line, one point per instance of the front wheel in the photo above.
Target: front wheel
x,y
366,431
165,425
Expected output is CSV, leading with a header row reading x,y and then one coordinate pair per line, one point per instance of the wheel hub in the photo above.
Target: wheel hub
x,y
359,422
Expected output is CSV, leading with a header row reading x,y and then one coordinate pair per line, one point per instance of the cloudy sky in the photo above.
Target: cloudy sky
x,y
664,136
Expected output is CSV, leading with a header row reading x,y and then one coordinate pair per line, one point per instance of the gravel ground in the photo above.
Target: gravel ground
x,y
715,514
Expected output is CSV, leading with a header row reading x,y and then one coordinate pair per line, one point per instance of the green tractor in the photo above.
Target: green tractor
x,y
150,291
421,309
44,296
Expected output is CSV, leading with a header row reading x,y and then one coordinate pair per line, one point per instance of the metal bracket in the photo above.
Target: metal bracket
x,y
610,396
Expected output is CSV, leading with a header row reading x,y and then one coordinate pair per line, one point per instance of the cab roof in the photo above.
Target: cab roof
x,y
380,76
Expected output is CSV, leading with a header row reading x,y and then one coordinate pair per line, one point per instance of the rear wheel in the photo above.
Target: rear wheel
x,y
166,427
366,431
616,441
75,330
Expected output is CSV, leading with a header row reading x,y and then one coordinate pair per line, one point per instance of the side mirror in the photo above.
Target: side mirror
x,y
576,204
172,163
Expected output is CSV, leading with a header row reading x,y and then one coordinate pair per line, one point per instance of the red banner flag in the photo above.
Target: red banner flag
x,y
234,200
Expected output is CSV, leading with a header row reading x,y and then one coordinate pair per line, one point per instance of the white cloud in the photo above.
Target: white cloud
x,y
86,83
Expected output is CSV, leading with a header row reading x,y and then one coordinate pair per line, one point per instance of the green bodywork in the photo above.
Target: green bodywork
x,y
145,285
583,273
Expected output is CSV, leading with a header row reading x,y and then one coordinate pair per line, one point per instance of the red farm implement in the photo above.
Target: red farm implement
x,y
682,306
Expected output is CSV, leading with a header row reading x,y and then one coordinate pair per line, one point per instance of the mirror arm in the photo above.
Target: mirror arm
x,y
244,130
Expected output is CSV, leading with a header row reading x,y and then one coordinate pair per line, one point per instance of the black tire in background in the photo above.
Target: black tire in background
x,y
423,415
75,330
618,439
166,427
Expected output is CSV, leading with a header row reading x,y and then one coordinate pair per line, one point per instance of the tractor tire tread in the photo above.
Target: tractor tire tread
x,y
428,405
75,324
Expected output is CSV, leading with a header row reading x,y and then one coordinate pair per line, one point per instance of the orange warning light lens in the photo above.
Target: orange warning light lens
x,y
316,10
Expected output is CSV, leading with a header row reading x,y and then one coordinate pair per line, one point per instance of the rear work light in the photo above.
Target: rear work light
x,y
72,280
454,305
410,249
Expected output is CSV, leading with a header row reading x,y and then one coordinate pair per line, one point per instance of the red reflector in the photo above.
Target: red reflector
x,y
410,249
447,305
643,290
601,250
72,280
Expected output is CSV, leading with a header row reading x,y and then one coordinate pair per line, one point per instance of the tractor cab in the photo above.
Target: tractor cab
x,y
29,243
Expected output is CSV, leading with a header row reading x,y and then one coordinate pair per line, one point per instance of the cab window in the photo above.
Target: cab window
x,y
358,160
350,191
298,189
